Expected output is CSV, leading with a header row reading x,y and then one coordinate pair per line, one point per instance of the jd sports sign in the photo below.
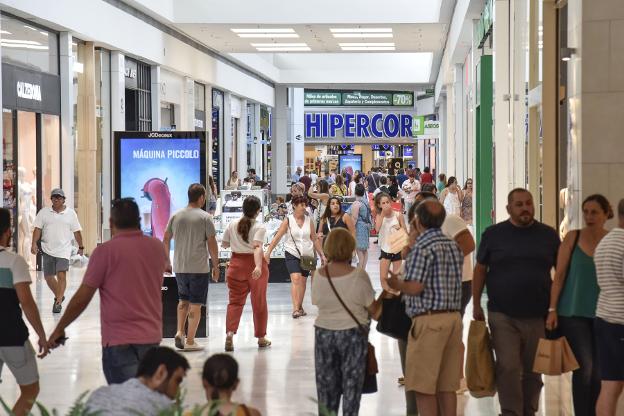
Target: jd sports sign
x,y
358,125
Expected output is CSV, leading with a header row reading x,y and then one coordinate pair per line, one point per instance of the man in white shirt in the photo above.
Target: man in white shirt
x,y
56,227
410,189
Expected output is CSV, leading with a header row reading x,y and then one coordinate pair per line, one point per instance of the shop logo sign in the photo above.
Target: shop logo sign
x,y
354,125
130,73
28,91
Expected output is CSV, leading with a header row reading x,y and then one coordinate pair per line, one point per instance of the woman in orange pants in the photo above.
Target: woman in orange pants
x,y
248,272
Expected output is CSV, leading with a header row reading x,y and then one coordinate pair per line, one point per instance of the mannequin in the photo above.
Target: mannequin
x,y
564,227
25,192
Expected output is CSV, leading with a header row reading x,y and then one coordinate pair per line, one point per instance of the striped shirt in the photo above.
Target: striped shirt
x,y
609,259
435,261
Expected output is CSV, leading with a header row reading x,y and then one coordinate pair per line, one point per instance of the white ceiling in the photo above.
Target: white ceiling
x,y
427,37
419,31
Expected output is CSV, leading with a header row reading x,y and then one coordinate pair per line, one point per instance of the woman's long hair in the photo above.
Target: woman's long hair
x,y
323,187
251,206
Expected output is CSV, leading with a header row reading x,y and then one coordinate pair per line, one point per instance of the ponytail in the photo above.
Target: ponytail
x,y
251,206
244,226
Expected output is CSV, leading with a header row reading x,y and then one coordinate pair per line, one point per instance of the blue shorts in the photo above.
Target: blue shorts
x,y
610,346
193,287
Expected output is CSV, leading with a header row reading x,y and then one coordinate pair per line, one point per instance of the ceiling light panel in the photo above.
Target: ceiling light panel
x,y
368,48
275,45
285,49
268,35
362,30
269,30
362,35
367,44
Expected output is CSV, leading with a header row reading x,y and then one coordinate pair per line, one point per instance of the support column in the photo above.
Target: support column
x,y
227,142
241,141
451,132
68,143
441,165
188,104
118,123
503,140
155,94
86,149
209,138
279,157
460,138
297,147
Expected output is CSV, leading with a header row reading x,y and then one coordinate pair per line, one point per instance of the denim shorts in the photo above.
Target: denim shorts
x,y
121,362
193,287
610,343
293,265
390,256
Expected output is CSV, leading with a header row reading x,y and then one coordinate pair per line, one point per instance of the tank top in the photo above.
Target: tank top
x,y
580,292
385,230
333,223
451,203
298,238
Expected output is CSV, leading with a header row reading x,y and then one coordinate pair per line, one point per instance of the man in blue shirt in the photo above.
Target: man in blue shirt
x,y
296,176
401,177
432,294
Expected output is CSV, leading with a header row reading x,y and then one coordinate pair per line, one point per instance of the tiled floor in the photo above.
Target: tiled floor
x,y
279,380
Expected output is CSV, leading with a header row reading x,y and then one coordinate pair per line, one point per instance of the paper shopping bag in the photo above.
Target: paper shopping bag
x,y
554,357
397,240
480,361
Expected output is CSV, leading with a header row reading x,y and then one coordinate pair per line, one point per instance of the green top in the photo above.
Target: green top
x,y
441,186
580,292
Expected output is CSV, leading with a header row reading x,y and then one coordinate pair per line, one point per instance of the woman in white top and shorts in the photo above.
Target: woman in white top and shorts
x,y
386,222
340,345
247,272
301,240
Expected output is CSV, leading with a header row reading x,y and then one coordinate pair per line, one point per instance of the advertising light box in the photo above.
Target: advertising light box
x,y
156,169
351,163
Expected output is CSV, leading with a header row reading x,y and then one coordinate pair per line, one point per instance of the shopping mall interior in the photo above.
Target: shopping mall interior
x,y
114,99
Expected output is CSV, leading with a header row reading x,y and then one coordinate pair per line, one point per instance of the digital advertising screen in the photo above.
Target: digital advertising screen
x,y
156,169
350,162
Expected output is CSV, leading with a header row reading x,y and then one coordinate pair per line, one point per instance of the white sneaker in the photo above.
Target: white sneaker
x,y
192,347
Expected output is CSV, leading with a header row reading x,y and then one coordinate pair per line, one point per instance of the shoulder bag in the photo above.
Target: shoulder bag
x,y
307,263
398,240
392,320
370,374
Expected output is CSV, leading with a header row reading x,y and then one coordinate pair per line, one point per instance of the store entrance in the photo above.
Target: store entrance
x,y
31,169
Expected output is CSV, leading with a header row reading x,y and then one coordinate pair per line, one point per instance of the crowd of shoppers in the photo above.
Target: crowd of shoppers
x,y
514,263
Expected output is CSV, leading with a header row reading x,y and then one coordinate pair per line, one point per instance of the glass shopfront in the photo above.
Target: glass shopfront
x,y
31,124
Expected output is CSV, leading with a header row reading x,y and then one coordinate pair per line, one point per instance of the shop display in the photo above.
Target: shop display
x,y
350,163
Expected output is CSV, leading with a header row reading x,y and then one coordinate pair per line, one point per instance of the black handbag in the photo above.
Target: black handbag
x,y
393,320
307,263
370,374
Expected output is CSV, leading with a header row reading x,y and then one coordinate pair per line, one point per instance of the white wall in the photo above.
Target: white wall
x,y
113,28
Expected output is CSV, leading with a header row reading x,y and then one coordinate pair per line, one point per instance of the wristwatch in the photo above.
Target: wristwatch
x,y
81,248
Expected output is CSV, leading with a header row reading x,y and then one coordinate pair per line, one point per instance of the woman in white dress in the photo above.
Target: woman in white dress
x,y
452,196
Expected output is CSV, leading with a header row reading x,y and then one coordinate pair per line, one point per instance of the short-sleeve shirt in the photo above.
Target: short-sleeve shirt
x,y
436,262
453,225
13,270
130,397
128,271
609,259
57,231
519,261
237,244
354,288
190,228
411,189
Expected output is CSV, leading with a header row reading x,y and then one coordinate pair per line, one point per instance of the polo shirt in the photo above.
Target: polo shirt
x,y
57,231
519,261
13,270
191,228
436,262
128,271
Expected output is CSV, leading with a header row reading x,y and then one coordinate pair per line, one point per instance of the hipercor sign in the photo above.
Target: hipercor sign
x,y
358,125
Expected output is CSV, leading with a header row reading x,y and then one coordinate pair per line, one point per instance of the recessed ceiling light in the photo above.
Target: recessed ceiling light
x,y
275,45
4,32
21,42
285,49
367,44
362,30
368,48
362,35
21,46
267,30
268,35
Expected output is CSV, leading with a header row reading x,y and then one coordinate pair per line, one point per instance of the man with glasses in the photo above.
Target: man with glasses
x,y
56,226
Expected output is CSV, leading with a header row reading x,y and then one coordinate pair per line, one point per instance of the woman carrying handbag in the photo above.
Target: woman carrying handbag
x,y
343,295
301,242
387,223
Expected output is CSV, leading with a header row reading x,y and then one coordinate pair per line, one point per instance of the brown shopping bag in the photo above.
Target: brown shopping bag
x,y
554,357
480,361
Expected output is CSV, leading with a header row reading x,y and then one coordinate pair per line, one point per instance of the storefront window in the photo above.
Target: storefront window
x,y
217,138
26,181
29,46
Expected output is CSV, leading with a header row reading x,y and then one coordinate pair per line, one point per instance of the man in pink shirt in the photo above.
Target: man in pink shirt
x,y
128,271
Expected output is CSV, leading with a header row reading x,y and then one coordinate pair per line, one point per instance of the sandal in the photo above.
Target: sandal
x,y
296,314
229,344
263,342
302,312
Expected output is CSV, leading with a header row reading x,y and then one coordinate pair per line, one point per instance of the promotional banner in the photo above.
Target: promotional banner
x,y
156,172
350,163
